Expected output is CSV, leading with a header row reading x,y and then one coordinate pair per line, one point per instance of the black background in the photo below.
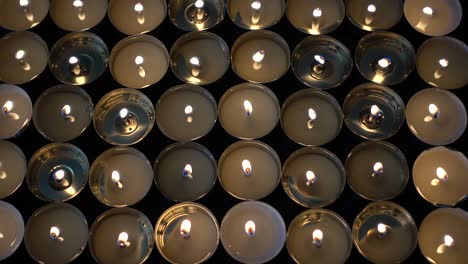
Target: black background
x,y
218,201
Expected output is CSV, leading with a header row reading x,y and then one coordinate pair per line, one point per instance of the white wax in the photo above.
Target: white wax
x,y
306,17
18,117
77,15
12,168
13,16
11,229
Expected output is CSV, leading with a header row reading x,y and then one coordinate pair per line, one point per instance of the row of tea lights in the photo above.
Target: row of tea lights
x,y
251,232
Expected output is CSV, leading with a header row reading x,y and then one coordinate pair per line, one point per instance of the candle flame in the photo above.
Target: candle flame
x,y
441,173
122,240
199,3
311,178
317,12
382,229
138,7
256,5
449,241
258,56
188,110
428,11
59,175
384,62
139,60
443,62
77,3
73,60
66,110
246,167
195,61
55,233
319,59
185,228
20,54
123,112
23,3
317,237
377,168
312,114
7,106
371,8
187,173
250,228
375,110
248,108
433,109
116,179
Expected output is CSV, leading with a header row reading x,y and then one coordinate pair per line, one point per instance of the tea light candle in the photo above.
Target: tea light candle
x,y
377,170
185,171
124,117
12,168
22,14
249,111
249,170
16,110
139,61
433,17
385,232
436,116
439,175
63,112
372,15
24,56
319,236
136,17
260,56
313,177
77,15
57,172
311,117
373,111
187,233
78,58
11,229
56,233
314,16
196,15
120,177
121,235
440,62
253,15
443,237
199,58
253,232
186,112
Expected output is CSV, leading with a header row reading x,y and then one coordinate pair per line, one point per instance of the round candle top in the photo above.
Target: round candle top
x,y
139,61
16,110
249,169
24,56
77,15
443,237
257,14
185,171
385,232
57,172
436,116
249,111
313,177
433,17
260,56
12,168
120,177
440,62
63,112
124,117
199,58
121,236
196,15
372,15
319,236
186,112
253,232
311,117
56,233
321,62
377,170
136,17
11,229
78,58
315,16
439,175
373,111
187,233
22,15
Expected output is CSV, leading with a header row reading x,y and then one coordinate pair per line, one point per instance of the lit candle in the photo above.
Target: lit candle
x,y
196,15
56,233
12,168
185,171
77,15
253,232
120,177
187,233
23,14
15,110
249,111
255,14
374,15
121,235
11,229
439,175
249,170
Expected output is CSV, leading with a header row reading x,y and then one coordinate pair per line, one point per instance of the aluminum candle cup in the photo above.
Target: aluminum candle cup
x,y
255,15
249,111
439,175
187,233
22,15
186,112
57,172
385,232
77,15
372,15
11,229
377,170
16,110
196,15
24,56
56,233
12,168
185,171
313,177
